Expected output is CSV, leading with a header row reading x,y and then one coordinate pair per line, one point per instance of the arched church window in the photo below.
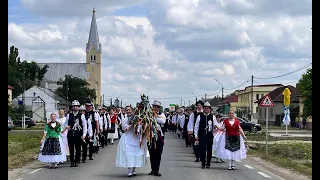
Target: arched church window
x,y
94,57
91,57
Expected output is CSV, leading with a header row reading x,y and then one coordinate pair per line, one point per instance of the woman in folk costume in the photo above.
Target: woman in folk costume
x,y
52,149
231,145
180,122
62,119
217,134
113,132
130,153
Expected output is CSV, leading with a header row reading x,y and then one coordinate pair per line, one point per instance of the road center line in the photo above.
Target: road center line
x,y
32,172
248,166
264,175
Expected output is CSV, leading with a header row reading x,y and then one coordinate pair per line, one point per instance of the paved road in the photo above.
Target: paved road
x,y
178,163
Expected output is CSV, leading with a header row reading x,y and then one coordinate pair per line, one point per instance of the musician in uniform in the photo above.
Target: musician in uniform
x,y
185,126
77,131
155,149
105,126
203,131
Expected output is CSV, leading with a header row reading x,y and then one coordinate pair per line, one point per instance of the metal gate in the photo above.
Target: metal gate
x,y
38,110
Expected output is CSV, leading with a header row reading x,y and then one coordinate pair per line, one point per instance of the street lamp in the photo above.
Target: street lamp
x,y
221,86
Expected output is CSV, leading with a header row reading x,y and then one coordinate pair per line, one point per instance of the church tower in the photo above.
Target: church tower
x,y
93,59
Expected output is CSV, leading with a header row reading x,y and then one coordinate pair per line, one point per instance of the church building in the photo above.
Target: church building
x,y
89,71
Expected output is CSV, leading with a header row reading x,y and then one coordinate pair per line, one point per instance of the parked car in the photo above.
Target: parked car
x,y
28,120
10,124
248,126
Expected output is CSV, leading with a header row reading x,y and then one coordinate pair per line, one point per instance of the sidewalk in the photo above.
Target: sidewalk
x,y
290,134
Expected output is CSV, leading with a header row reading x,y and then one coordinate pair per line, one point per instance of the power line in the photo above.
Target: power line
x,y
242,84
304,67
177,97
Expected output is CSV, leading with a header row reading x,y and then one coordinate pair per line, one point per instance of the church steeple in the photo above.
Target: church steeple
x,y
93,41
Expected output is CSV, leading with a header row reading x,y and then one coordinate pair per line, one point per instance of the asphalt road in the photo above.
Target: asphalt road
x,y
177,163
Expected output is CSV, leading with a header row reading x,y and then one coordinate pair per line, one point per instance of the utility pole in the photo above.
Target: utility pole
x,y
67,89
222,92
181,102
121,103
103,100
196,100
189,102
184,103
251,98
111,101
205,97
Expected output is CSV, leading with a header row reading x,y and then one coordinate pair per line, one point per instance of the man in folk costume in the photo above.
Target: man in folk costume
x,y
174,122
203,131
155,149
104,125
185,127
97,135
94,126
192,120
180,122
76,125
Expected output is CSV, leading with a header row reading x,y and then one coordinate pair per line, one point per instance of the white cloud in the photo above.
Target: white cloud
x,y
179,48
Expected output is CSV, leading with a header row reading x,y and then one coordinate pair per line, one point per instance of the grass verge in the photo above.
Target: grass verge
x,y
297,157
261,136
272,127
22,147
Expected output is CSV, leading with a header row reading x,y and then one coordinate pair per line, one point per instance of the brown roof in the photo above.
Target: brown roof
x,y
276,95
10,87
230,99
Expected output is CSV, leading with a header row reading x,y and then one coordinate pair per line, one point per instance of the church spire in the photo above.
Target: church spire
x,y
93,41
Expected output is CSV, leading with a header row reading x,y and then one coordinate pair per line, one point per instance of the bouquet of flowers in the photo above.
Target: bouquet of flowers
x,y
143,122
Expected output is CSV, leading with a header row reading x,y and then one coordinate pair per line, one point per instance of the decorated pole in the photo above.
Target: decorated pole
x,y
286,102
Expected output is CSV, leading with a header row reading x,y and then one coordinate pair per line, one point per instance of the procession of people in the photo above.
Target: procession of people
x,y
86,129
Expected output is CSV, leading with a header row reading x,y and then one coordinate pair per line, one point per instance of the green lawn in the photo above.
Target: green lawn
x,y
22,147
261,136
297,156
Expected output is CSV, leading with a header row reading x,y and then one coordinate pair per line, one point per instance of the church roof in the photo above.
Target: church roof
x,y
93,41
57,71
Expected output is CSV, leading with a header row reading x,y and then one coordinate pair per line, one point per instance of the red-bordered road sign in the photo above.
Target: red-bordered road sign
x,y
266,101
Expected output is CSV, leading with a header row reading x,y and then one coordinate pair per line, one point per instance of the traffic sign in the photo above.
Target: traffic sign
x,y
266,101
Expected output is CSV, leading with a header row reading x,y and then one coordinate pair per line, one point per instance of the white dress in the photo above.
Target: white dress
x,y
53,158
115,134
223,153
129,153
64,135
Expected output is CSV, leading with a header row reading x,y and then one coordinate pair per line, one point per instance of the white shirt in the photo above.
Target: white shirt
x,y
161,119
86,129
181,120
191,121
196,126
174,119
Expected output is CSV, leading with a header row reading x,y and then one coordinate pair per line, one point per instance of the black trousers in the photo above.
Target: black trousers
x,y
85,148
186,138
155,154
74,143
104,138
205,147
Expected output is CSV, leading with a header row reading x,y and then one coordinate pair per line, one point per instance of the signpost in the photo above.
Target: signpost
x,y
267,102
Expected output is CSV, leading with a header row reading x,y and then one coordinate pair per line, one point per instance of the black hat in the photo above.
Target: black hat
x,y
88,103
189,108
200,102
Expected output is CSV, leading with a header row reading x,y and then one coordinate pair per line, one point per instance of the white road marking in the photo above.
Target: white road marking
x,y
248,166
238,160
264,175
32,172
19,179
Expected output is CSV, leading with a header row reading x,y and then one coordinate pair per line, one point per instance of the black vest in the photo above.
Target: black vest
x,y
103,124
186,121
93,120
204,123
72,120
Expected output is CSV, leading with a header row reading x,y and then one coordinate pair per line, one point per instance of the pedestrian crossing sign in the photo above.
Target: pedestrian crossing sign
x,y
266,101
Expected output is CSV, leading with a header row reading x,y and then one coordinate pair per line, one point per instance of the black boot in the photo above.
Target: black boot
x,y
72,164
156,173
197,160
151,173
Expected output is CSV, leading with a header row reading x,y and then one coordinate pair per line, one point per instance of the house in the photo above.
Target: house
x,y
229,103
40,102
248,95
10,88
89,70
276,113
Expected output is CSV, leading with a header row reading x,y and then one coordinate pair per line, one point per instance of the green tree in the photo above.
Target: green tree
x,y
74,88
23,75
305,89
